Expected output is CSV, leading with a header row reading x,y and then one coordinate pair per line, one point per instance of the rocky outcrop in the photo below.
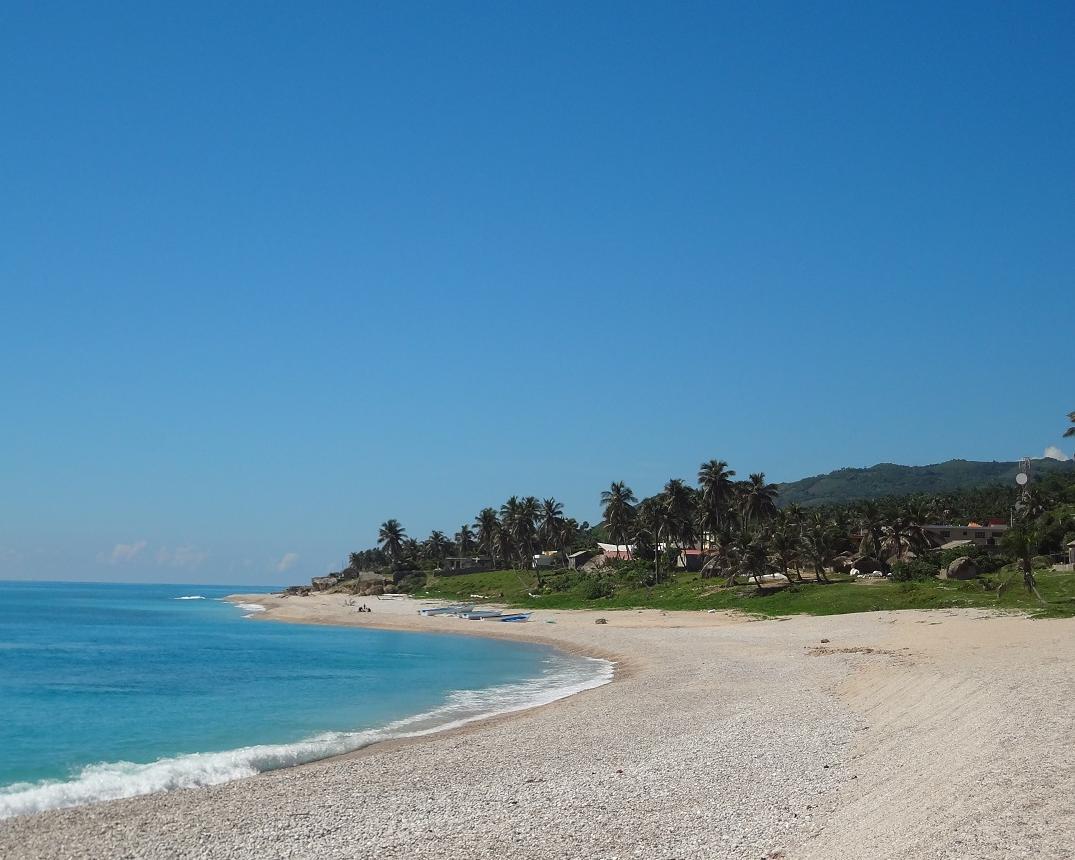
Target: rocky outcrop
x,y
867,564
961,568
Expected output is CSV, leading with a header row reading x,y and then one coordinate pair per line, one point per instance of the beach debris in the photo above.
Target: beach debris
x,y
824,640
600,621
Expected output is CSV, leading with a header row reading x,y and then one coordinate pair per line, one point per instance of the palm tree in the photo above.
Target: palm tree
x,y
795,514
502,542
526,526
411,551
871,521
678,519
721,545
1071,430
718,493
550,532
391,537
759,498
619,511
464,539
819,545
917,513
785,542
754,557
436,547
905,530
487,526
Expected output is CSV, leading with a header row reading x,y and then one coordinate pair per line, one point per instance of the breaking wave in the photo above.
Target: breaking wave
x,y
189,597
562,677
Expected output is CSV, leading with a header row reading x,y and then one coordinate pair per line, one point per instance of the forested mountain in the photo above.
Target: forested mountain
x,y
890,479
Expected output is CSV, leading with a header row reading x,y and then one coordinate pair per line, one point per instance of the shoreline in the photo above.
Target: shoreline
x,y
394,621
890,734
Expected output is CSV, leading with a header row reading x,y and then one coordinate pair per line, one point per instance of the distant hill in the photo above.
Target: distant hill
x,y
889,479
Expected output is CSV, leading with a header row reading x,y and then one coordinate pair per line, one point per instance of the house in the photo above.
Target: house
x,y
1071,553
323,583
988,535
545,559
616,550
577,559
466,564
691,559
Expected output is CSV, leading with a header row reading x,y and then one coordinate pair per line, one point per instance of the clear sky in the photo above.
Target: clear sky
x,y
273,273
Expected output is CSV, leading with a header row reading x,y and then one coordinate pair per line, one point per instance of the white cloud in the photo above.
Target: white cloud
x,y
1054,453
181,556
287,561
122,552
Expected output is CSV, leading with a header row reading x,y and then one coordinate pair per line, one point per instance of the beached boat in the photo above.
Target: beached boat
x,y
518,616
480,614
458,609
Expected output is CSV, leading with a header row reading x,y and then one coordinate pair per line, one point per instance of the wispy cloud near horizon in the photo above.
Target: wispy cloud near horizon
x,y
1054,453
181,556
287,561
123,552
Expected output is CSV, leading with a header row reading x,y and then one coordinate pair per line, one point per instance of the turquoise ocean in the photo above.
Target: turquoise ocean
x,y
110,690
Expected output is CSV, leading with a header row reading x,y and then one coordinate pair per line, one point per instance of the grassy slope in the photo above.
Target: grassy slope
x,y
689,591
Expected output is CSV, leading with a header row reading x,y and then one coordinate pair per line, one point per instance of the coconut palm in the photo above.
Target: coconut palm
x,y
918,513
391,537
504,545
510,527
550,531
721,543
619,512
487,525
525,527
464,540
754,557
1071,430
871,521
718,494
786,546
436,547
678,507
759,498
567,531
795,514
819,544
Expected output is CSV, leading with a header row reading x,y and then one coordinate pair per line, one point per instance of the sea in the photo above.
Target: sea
x,y
110,691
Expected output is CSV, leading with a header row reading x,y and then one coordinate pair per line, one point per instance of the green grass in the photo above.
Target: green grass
x,y
566,590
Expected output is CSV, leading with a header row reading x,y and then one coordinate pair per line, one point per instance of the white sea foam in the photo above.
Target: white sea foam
x,y
562,677
250,607
190,597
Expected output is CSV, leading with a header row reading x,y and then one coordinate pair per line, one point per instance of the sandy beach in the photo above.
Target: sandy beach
x,y
895,735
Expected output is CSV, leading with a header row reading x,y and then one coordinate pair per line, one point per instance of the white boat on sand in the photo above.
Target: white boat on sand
x,y
458,609
481,614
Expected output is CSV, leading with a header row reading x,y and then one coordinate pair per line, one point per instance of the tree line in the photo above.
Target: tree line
x,y
737,524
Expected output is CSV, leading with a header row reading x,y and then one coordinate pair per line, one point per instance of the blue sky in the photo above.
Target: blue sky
x,y
272,273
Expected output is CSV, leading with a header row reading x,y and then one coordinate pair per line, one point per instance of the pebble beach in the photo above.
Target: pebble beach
x,y
896,734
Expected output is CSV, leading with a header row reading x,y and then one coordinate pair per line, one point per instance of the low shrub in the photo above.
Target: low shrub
x,y
597,586
634,572
915,570
414,582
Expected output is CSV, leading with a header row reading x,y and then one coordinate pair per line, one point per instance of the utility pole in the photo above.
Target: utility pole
x,y
1023,508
